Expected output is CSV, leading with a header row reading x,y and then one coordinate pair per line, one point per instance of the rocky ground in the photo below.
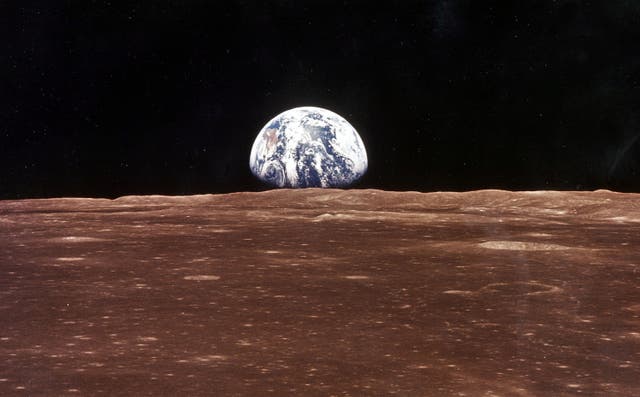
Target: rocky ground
x,y
322,292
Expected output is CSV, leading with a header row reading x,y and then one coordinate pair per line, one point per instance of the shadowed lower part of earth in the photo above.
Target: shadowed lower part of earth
x,y
322,292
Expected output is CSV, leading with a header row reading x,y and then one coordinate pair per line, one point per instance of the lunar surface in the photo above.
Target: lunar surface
x,y
322,292
308,147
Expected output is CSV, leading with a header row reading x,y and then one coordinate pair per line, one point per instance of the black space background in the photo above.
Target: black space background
x,y
106,98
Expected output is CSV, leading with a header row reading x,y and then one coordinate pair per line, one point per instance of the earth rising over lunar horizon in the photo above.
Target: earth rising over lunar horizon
x,y
308,147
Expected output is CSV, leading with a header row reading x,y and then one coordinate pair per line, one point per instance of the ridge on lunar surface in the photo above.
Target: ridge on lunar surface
x,y
322,292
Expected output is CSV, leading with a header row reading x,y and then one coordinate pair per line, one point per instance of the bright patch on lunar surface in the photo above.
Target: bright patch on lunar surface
x,y
308,147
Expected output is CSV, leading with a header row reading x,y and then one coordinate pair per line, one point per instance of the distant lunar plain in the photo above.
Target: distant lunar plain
x,y
322,293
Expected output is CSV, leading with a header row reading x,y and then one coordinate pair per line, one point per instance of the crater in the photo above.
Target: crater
x,y
522,246
530,288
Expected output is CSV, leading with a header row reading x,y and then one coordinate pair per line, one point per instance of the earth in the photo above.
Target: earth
x,y
308,147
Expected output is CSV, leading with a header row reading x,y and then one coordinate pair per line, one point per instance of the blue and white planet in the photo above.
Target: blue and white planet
x,y
308,147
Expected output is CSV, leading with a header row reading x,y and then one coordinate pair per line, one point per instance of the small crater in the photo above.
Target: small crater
x,y
457,292
534,234
202,277
202,360
209,358
76,239
147,338
70,259
633,308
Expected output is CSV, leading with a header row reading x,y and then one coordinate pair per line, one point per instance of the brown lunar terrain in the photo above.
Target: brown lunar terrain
x,y
322,293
